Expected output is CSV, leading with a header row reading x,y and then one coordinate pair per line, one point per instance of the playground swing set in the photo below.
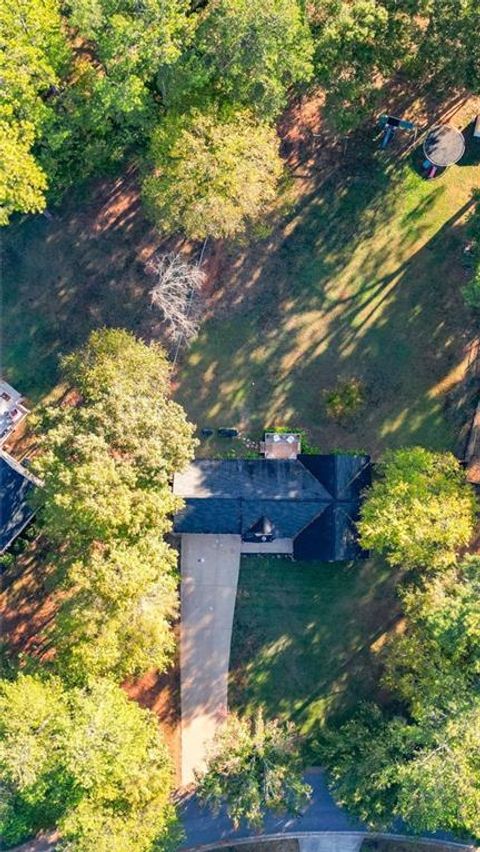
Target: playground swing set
x,y
390,124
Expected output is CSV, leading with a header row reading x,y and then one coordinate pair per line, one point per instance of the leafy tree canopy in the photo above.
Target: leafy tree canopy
x,y
356,43
89,762
119,618
22,181
106,503
434,664
447,45
34,56
422,764
213,173
246,52
420,511
131,38
254,766
426,773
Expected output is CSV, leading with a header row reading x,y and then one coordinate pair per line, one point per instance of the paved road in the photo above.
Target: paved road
x,y
210,567
322,814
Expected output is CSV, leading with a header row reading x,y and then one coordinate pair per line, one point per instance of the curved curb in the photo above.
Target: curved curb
x,y
300,835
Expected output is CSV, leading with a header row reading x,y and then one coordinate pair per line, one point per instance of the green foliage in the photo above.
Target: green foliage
x,y
345,400
22,181
420,511
362,757
440,786
107,502
446,44
113,98
355,44
254,765
34,56
213,173
434,664
424,765
246,52
119,617
89,762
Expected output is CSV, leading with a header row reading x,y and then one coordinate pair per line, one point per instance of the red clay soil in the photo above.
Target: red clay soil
x,y
161,693
26,605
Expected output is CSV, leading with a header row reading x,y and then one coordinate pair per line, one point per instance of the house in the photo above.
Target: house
x,y
16,486
12,411
305,505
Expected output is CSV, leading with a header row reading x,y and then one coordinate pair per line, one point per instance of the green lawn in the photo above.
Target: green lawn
x,y
307,636
361,279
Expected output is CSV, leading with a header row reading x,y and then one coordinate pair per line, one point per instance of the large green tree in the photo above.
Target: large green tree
x,y
254,765
420,510
213,173
107,503
246,53
358,43
22,181
33,59
421,763
115,94
89,762
447,44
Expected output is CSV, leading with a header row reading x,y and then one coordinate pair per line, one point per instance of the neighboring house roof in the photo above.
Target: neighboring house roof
x,y
16,484
313,500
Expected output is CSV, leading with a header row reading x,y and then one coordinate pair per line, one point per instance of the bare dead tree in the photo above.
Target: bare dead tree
x,y
177,294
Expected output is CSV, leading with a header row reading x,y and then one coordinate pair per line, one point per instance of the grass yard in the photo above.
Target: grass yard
x,y
307,636
361,280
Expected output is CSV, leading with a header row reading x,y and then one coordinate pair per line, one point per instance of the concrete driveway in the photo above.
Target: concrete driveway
x,y
210,567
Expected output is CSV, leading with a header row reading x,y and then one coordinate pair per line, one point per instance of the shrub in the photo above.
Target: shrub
x,y
345,399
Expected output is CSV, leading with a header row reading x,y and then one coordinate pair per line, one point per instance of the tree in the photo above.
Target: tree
x,y
22,181
125,388
212,173
107,503
422,763
433,664
254,766
446,45
90,762
245,53
420,511
34,58
424,772
118,618
113,97
176,293
362,757
356,44
440,785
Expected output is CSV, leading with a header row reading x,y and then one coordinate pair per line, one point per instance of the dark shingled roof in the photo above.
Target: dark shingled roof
x,y
15,512
313,500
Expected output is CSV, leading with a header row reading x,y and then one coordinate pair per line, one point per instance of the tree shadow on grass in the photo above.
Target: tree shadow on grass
x,y
308,317
307,636
63,277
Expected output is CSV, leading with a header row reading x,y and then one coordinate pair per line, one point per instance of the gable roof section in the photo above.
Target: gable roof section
x,y
313,500
16,484
344,475
249,479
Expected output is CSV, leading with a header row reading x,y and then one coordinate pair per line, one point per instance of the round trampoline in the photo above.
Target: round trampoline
x,y
444,145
